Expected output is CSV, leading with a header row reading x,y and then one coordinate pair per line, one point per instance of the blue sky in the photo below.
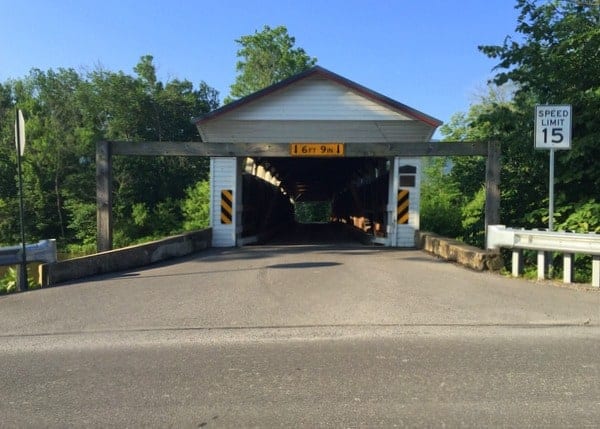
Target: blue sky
x,y
421,53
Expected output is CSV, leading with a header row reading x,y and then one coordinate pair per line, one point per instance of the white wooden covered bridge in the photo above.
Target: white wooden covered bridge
x,y
313,137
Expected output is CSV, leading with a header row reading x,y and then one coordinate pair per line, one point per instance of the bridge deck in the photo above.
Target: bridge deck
x,y
295,285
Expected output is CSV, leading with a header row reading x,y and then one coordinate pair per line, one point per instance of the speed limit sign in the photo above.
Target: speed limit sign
x,y
553,127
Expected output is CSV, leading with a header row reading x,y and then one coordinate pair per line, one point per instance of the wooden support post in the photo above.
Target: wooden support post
x,y
568,267
104,196
517,262
492,186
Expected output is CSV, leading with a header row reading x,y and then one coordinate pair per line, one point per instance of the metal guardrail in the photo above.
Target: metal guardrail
x,y
42,251
568,243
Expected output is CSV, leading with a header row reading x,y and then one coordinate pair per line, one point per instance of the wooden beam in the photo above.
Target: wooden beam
x,y
104,196
282,149
105,150
492,186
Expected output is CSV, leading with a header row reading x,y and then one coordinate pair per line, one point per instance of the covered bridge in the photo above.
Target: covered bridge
x,y
316,136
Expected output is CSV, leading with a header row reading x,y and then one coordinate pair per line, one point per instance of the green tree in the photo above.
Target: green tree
x,y
9,208
556,61
196,206
66,113
155,111
57,139
267,57
312,211
440,199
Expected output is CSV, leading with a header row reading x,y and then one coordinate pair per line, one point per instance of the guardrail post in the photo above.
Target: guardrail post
x,y
541,265
547,243
517,262
568,268
596,270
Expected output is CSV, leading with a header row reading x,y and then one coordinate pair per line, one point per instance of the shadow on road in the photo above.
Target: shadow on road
x,y
304,265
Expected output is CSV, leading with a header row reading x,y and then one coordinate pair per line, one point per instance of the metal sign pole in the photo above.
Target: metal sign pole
x,y
22,275
552,131
551,193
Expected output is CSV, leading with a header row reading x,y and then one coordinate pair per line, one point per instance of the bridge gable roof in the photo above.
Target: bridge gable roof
x,y
316,105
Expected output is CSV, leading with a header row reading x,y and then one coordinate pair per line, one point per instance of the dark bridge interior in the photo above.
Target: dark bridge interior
x,y
356,190
319,179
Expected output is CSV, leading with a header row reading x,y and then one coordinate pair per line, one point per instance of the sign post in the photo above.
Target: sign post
x,y
20,147
552,131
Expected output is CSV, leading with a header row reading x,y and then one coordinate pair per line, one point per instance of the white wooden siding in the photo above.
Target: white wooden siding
x,y
234,131
315,109
405,234
223,173
315,98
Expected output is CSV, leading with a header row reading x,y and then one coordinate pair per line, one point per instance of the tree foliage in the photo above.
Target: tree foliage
x,y
312,211
267,57
440,198
66,113
196,206
558,62
553,59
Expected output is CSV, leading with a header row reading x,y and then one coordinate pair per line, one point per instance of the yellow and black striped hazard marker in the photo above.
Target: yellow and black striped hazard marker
x,y
226,206
403,201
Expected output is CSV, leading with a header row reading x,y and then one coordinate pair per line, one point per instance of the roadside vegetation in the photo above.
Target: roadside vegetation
x,y
553,59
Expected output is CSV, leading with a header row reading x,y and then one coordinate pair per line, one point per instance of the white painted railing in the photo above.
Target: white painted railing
x,y
568,243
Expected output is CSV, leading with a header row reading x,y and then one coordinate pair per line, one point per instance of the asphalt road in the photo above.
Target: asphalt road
x,y
301,336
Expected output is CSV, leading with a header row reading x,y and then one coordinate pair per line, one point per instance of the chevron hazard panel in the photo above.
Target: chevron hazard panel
x,y
403,203
226,206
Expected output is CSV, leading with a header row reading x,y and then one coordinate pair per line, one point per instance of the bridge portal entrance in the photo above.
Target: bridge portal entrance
x,y
372,199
